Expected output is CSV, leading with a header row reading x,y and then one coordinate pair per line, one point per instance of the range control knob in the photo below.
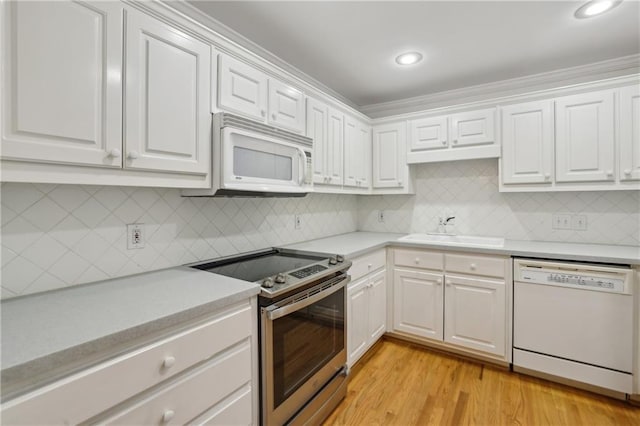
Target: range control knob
x,y
267,283
339,258
333,261
280,279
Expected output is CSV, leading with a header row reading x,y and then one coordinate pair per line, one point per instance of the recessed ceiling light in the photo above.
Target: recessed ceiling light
x,y
409,58
595,7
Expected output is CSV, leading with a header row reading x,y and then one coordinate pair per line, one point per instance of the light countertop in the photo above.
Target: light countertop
x,y
50,332
356,243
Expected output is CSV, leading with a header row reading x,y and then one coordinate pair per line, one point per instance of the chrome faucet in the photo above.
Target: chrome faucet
x,y
444,222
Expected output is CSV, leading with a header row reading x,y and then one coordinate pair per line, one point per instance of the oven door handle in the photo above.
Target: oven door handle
x,y
287,309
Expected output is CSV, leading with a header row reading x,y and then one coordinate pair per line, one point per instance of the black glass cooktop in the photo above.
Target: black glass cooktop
x,y
257,267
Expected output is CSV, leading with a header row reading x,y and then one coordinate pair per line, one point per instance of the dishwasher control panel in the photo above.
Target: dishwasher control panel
x,y
589,277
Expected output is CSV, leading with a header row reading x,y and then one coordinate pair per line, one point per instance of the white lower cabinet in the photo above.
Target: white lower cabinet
x,y
366,305
475,313
454,301
417,303
205,372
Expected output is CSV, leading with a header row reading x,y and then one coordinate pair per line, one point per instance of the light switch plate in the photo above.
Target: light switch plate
x,y
561,221
579,222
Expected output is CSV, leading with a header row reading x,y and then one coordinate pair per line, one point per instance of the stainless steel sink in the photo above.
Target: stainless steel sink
x,y
461,240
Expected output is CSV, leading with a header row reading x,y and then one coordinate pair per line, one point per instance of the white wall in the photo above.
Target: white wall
x,y
469,191
60,235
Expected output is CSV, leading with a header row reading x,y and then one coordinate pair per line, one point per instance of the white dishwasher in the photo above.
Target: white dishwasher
x,y
574,321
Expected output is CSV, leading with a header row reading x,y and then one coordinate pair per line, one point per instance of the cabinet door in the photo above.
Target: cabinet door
x,y
317,122
428,133
363,166
475,314
352,156
630,133
473,128
168,122
389,156
335,146
286,106
242,89
357,320
377,289
62,89
584,137
527,142
417,303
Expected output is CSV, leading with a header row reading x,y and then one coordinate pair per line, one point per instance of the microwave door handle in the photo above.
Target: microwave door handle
x,y
286,310
302,166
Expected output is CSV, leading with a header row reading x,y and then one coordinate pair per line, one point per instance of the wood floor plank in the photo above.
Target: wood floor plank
x,y
399,383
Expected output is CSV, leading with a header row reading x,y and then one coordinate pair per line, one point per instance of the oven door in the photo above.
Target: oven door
x,y
257,162
302,348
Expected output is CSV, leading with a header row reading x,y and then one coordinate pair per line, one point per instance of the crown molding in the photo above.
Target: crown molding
x,y
228,33
625,65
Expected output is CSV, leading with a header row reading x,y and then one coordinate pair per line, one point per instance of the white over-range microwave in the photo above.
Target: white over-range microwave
x,y
254,159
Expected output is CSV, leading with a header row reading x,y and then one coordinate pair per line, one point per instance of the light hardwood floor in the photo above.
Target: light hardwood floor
x,y
399,383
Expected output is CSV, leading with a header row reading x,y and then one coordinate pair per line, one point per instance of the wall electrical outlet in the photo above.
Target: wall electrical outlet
x,y
579,222
298,221
381,216
135,236
561,221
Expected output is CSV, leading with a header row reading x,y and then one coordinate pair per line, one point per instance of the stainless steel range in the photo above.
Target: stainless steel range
x,y
302,330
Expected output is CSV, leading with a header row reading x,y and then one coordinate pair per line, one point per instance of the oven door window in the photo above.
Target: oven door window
x,y
304,341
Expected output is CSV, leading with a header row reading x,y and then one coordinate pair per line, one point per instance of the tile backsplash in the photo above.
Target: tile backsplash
x,y
60,235
468,190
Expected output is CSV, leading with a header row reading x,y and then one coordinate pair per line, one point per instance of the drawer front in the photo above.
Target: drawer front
x,y
367,263
489,266
190,396
235,410
418,259
107,384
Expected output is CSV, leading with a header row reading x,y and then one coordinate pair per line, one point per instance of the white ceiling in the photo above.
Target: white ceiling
x,y
350,46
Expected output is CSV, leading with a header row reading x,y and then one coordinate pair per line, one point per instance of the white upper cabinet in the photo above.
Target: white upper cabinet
x,y
166,98
630,133
473,128
326,126
62,88
317,119
335,147
461,136
286,106
357,153
527,143
247,91
242,88
585,137
428,133
389,166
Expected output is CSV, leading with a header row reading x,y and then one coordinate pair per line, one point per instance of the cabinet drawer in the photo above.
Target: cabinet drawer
x,y
367,263
418,259
189,396
106,385
235,410
489,266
